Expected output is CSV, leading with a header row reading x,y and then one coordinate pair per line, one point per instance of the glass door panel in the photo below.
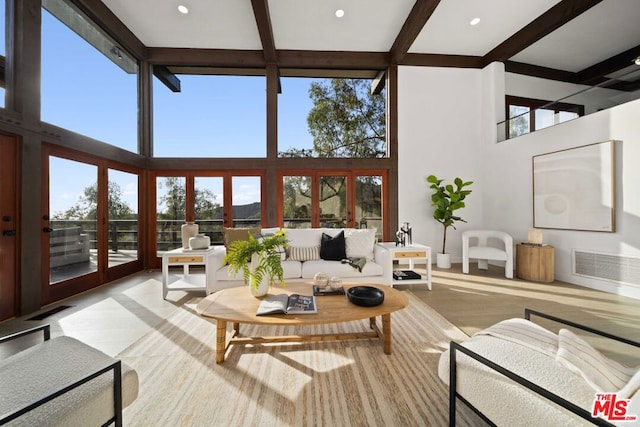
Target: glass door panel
x,y
73,199
209,206
332,198
170,212
368,209
296,196
246,201
122,211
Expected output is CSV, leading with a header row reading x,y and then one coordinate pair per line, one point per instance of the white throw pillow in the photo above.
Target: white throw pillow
x,y
600,372
303,237
360,242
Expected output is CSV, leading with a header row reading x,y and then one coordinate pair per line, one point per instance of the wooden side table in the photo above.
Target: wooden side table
x,y
535,263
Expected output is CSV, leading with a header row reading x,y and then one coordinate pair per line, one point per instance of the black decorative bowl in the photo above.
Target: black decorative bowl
x,y
366,296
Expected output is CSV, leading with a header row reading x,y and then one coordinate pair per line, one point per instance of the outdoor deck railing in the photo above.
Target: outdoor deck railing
x,y
123,233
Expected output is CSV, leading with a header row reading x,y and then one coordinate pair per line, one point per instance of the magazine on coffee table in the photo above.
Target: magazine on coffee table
x,y
287,304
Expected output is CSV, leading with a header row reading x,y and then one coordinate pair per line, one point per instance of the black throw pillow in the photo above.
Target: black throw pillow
x,y
333,248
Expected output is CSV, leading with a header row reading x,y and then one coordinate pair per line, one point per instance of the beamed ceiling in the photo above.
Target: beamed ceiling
x,y
579,41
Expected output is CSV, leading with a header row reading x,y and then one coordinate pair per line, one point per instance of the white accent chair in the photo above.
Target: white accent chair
x,y
483,253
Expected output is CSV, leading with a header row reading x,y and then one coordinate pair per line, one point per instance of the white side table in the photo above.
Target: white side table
x,y
412,253
187,258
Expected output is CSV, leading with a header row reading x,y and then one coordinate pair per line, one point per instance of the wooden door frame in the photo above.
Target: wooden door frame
x,y
9,220
154,261
103,274
315,175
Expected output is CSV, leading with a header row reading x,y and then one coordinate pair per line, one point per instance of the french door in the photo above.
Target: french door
x,y
8,226
91,224
212,199
335,199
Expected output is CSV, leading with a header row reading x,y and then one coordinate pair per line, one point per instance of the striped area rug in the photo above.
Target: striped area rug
x,y
348,383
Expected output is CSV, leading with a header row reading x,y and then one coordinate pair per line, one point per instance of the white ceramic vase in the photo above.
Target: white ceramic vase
x,y
189,230
443,260
263,287
199,241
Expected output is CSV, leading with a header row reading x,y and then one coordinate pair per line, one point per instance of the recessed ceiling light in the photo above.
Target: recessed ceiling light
x,y
474,21
339,13
637,61
183,9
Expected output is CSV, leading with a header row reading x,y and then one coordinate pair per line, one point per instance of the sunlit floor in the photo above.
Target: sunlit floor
x,y
115,315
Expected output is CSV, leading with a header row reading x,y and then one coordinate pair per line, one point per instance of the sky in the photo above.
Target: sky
x,y
212,116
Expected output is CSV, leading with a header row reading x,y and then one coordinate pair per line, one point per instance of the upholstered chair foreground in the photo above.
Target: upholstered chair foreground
x,y
476,245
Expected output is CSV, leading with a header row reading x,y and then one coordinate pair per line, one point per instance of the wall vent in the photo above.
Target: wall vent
x,y
617,268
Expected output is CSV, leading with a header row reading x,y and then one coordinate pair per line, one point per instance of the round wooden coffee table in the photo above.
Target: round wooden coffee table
x,y
237,305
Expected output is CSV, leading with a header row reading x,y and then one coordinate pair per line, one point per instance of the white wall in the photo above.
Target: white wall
x,y
439,125
446,127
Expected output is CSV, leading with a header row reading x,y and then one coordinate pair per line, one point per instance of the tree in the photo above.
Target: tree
x,y
87,205
346,120
174,201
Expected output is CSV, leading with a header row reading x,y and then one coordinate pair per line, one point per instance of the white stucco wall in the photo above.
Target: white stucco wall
x,y
446,127
439,128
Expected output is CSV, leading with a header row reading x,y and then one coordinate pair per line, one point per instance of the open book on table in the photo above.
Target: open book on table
x,y
287,304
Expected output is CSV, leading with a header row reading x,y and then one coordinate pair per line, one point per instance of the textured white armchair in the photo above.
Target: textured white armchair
x,y
483,253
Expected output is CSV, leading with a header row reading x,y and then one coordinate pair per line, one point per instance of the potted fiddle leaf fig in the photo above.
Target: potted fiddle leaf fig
x,y
259,259
446,199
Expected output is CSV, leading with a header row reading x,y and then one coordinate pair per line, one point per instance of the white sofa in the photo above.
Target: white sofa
x,y
377,269
540,357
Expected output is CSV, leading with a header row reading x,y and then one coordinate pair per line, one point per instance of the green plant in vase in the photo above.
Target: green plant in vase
x,y
259,259
446,199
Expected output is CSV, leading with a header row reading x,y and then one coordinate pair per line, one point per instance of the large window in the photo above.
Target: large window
x,y
122,210
316,198
211,116
527,115
330,118
89,83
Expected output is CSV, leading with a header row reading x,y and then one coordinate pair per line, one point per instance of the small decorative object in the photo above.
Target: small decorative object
x,y
363,222
400,238
266,266
199,241
445,200
188,229
535,236
321,279
406,229
335,283
366,296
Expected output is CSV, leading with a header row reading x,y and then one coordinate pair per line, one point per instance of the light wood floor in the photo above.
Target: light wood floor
x,y
116,315
482,298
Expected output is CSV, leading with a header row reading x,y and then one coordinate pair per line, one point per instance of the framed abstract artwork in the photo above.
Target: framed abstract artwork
x,y
574,189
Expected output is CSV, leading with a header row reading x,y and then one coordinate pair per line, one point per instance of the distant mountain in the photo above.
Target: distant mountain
x,y
252,210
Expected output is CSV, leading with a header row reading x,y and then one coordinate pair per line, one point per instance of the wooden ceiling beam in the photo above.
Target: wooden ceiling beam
x,y
206,57
99,13
590,75
263,21
439,60
546,23
542,72
169,79
332,59
415,22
